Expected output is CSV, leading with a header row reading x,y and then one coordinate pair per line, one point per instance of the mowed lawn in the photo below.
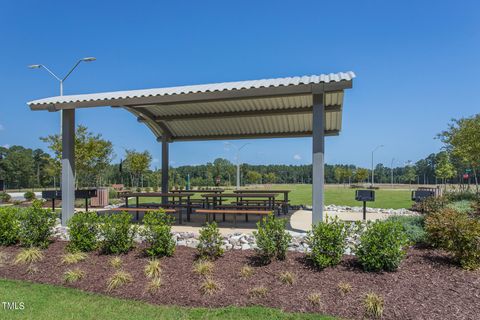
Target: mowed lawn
x,y
46,302
301,194
339,195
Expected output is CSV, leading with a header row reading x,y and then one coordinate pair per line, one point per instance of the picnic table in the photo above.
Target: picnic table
x,y
285,192
199,191
182,202
216,201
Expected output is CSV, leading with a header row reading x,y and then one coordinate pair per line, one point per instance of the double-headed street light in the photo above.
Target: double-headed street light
x,y
373,169
62,80
237,158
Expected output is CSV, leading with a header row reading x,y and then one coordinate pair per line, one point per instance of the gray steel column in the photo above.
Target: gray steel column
x,y
164,168
68,165
318,157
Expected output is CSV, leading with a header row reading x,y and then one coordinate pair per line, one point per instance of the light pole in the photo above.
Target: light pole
x,y
391,169
62,80
373,169
237,158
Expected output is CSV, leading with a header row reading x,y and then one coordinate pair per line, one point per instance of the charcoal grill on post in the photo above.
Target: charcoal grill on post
x,y
365,195
57,194
421,195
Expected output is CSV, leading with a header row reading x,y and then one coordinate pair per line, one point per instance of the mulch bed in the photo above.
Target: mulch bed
x,y
427,285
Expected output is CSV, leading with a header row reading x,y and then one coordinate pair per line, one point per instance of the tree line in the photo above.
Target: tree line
x,y
22,167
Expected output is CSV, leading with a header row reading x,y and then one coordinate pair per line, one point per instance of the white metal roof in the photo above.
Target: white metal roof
x,y
247,109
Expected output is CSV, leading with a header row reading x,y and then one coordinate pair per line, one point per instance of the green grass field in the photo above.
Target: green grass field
x,y
339,195
46,302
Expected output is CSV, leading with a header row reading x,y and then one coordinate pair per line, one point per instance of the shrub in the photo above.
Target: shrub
x,y
432,204
315,299
112,193
73,275
258,292
116,262
382,246
476,208
327,241
117,233
3,258
454,196
344,287
154,285
209,286
461,206
118,279
29,255
210,242
413,226
203,267
373,304
83,231
272,239
4,197
458,234
158,234
287,278
29,195
246,272
153,269
36,225
9,226
72,258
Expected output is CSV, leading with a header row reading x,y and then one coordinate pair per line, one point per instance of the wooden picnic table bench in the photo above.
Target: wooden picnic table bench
x,y
217,199
182,202
285,202
199,191
146,209
208,212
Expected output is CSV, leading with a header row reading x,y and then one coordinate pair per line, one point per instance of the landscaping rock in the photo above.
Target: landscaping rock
x,y
245,247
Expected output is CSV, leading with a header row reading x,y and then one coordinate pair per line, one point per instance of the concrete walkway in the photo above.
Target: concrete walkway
x,y
298,221
301,220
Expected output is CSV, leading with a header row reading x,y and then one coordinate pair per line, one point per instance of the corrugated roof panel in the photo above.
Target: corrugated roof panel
x,y
214,87
274,103
298,123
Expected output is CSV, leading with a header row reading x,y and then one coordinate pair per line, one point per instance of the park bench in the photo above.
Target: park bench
x,y
234,212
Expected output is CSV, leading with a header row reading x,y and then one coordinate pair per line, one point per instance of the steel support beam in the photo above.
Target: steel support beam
x,y
68,165
318,157
243,114
253,136
164,168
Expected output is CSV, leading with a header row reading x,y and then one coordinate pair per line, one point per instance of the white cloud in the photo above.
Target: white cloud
x,y
155,160
297,157
2,127
6,146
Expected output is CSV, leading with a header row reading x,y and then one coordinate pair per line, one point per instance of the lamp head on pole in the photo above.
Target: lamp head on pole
x,y
89,59
34,66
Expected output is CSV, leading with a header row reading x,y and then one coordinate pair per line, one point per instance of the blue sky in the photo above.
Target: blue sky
x,y
417,66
